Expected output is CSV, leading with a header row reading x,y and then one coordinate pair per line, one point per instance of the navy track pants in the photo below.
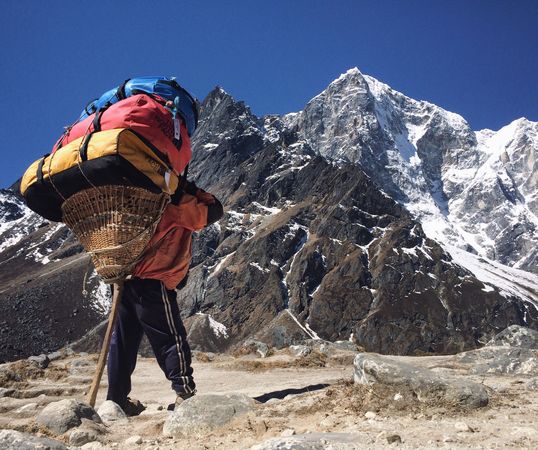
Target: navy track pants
x,y
148,307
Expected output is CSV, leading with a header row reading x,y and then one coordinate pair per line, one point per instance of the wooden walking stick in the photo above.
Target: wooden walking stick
x,y
116,298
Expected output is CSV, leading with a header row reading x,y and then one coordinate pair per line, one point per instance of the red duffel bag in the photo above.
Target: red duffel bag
x,y
146,117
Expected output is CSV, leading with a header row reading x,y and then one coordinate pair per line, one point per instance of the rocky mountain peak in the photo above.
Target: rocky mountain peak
x,y
431,161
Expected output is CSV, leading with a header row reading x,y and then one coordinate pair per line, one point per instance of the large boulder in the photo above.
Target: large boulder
x,y
512,351
202,414
426,384
516,336
15,440
61,416
503,360
205,334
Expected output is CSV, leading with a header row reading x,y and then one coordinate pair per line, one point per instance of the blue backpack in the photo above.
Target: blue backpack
x,y
168,88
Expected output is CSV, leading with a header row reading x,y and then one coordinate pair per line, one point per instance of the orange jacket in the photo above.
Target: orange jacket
x,y
169,251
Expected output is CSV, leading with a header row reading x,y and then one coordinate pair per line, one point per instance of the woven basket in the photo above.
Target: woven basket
x,y
114,224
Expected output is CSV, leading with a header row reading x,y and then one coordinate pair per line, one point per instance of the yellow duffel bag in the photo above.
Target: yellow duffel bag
x,y
111,157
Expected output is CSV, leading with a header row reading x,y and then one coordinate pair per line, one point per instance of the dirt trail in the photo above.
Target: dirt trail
x,y
295,398
150,385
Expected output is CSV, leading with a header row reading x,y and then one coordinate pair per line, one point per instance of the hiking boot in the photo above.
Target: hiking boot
x,y
179,400
133,407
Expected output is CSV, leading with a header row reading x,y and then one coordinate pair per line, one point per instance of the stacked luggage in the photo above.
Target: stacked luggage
x,y
137,134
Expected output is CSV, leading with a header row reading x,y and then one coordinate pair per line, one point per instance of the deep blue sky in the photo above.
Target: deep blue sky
x,y
474,57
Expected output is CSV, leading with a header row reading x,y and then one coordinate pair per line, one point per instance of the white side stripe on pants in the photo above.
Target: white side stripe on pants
x,y
177,337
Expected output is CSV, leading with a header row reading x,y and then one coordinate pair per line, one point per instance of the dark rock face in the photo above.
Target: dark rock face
x,y
49,294
310,247
318,246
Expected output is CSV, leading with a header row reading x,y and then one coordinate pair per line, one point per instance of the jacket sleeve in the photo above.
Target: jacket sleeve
x,y
195,208
190,213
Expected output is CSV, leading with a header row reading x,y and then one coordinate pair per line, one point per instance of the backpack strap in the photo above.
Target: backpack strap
x,y
176,196
185,173
120,93
89,109
96,127
40,168
178,142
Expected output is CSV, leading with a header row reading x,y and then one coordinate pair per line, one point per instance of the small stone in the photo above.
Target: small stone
x,y
325,349
462,427
314,441
80,437
288,432
93,446
54,356
28,408
345,345
300,350
261,348
448,439
41,361
133,440
391,438
110,411
398,397
80,366
5,392
370,415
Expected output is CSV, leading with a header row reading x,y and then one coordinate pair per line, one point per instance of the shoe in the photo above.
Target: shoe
x,y
133,407
179,400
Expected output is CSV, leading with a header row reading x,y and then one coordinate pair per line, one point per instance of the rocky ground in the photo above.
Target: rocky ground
x,y
314,396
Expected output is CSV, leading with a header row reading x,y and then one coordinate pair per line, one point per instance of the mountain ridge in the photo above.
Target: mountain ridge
x,y
312,244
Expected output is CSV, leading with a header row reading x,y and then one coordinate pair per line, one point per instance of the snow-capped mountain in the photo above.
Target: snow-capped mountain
x,y
473,190
366,216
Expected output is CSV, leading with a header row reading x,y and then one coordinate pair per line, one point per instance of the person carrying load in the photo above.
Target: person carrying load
x,y
118,178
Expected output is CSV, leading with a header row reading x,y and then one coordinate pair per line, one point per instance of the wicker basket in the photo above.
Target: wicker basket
x,y
114,224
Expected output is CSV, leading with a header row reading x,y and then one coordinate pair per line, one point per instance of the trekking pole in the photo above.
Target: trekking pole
x,y
116,298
